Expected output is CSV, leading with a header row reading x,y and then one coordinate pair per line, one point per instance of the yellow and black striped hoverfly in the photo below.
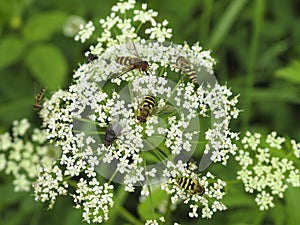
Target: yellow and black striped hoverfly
x,y
149,107
37,104
132,62
186,67
191,185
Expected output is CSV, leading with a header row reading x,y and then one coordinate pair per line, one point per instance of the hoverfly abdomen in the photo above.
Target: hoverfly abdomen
x,y
146,108
191,185
185,66
38,99
124,60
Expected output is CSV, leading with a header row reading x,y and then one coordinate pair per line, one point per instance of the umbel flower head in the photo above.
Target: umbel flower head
x,y
23,152
133,115
262,172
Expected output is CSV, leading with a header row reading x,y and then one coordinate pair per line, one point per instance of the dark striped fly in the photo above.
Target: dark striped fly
x,y
185,66
191,185
146,108
37,104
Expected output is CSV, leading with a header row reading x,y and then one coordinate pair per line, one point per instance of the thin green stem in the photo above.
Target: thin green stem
x,y
149,189
127,215
139,27
89,132
113,176
230,182
258,14
168,213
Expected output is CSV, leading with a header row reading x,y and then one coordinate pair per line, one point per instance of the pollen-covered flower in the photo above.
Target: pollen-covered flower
x,y
263,173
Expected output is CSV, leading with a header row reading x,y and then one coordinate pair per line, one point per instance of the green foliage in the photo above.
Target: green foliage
x,y
48,65
291,72
43,26
148,209
11,49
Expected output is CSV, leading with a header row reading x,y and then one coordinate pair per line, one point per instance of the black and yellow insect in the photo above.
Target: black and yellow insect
x,y
132,62
91,57
37,104
146,108
112,132
185,66
191,185
149,107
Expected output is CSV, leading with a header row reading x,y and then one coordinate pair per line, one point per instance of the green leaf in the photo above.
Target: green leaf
x,y
291,72
47,65
11,49
226,21
292,205
148,209
43,26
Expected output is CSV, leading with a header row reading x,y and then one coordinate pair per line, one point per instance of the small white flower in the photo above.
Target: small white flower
x,y
274,141
72,25
296,148
85,32
264,200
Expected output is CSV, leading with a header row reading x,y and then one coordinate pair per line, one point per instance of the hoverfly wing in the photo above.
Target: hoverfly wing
x,y
116,75
167,109
131,47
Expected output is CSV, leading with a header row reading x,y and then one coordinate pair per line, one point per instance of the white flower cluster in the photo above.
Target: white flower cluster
x,y
262,172
118,27
22,153
50,184
96,124
95,200
156,222
209,201
296,148
85,32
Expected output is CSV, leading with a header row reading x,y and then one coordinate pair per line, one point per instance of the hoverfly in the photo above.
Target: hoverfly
x,y
191,185
91,57
185,66
112,132
148,108
132,63
37,104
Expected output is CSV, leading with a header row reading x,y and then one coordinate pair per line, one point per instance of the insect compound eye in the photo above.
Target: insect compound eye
x,y
145,65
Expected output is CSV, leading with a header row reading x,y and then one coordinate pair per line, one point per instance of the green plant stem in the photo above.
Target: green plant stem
x,y
168,213
230,182
112,177
257,25
89,132
127,215
139,27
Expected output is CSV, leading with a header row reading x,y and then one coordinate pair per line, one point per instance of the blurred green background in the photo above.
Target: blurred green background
x,y
256,44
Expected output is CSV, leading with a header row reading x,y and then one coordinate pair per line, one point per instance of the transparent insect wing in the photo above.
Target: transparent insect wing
x,y
167,109
118,126
205,161
131,47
